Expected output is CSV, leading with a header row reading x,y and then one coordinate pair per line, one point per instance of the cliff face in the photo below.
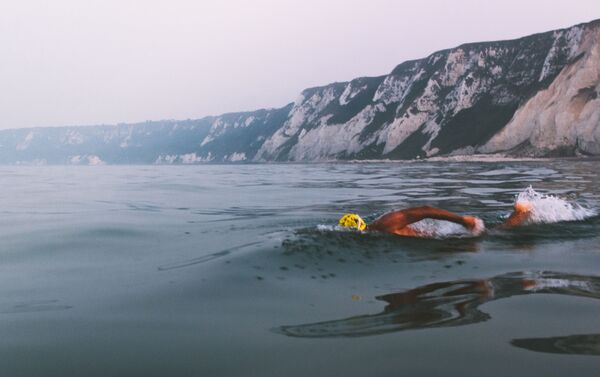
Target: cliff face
x,y
534,96
228,138
564,119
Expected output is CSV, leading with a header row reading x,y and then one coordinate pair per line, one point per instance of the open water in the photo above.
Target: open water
x,y
239,270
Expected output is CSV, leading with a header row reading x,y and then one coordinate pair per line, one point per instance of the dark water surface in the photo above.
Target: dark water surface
x,y
238,271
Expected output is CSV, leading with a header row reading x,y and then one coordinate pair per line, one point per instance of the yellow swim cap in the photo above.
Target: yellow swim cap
x,y
352,220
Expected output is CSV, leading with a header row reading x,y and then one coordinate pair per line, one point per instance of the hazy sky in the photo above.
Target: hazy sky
x,y
80,62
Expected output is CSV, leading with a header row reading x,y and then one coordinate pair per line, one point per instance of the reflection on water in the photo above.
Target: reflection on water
x,y
447,304
586,344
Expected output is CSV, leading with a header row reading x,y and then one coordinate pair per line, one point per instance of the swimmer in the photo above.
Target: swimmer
x,y
398,222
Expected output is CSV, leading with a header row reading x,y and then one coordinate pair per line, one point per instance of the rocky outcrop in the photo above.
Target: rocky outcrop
x,y
534,96
228,138
563,119
476,98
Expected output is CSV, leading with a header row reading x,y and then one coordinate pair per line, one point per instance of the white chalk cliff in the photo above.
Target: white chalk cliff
x,y
566,115
534,96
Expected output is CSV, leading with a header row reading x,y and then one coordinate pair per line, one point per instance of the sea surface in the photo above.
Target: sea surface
x,y
240,270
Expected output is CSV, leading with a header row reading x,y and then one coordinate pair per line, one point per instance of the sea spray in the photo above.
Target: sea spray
x,y
547,209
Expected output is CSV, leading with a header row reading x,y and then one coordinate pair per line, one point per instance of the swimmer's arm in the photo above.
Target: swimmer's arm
x,y
520,215
414,215
398,222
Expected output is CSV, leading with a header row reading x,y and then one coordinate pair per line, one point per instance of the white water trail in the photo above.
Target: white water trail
x,y
428,227
334,228
548,209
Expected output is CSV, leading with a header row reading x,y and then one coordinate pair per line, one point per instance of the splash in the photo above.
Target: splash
x,y
428,227
441,229
324,228
547,209
334,228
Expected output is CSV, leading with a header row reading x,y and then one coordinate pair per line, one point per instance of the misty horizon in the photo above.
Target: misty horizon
x,y
141,72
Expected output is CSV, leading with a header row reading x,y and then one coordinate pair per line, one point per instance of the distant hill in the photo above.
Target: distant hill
x,y
534,96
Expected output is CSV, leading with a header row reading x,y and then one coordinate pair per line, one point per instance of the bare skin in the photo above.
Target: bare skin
x,y
398,222
520,214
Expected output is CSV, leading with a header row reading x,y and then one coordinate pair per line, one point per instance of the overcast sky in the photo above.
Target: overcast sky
x,y
75,62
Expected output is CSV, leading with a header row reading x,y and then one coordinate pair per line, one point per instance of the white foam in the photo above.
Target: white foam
x,y
440,229
335,228
548,209
430,228
326,228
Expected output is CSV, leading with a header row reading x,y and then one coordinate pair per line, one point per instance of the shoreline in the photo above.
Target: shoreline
x,y
484,158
